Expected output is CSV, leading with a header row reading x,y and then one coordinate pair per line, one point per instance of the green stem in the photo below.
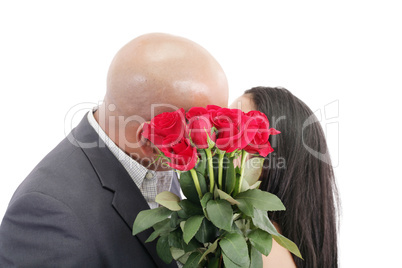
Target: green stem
x,y
220,165
196,182
211,171
244,155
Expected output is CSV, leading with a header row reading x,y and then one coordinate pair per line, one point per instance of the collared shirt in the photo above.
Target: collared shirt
x,y
149,182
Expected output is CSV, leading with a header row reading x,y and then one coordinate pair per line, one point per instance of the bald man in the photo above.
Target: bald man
x,y
77,207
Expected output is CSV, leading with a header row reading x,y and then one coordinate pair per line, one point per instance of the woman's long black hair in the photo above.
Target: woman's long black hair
x,y
303,179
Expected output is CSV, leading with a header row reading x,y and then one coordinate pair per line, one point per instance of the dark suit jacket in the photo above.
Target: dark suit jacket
x,y
76,209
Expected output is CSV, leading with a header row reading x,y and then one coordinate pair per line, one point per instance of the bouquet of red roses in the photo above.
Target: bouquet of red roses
x,y
224,221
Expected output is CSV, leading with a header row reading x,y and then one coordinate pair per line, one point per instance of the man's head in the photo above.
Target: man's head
x,y
156,73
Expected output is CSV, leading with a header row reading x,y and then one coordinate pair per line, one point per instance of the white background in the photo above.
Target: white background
x,y
55,55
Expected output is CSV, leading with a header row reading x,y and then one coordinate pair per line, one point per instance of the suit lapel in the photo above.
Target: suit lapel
x,y
128,200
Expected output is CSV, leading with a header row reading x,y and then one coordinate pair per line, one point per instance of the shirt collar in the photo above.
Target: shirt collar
x,y
136,171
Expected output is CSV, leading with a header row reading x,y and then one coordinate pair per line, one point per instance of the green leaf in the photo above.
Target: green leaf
x,y
227,197
193,260
207,232
220,213
175,220
246,207
204,200
261,240
175,239
183,215
163,249
203,183
183,259
252,169
262,221
256,185
236,216
162,227
149,217
177,253
182,225
255,258
211,249
230,177
261,200
236,227
234,246
188,187
191,227
289,245
192,245
216,194
169,200
228,263
202,164
190,209
244,186
213,262
237,182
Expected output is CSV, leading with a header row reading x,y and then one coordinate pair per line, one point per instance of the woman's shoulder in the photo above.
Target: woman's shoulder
x,y
279,256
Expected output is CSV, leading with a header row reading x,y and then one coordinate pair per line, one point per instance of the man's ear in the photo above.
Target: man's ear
x,y
146,147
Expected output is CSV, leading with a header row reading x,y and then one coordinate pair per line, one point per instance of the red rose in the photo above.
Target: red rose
x,y
260,144
164,124
199,127
235,129
211,108
180,152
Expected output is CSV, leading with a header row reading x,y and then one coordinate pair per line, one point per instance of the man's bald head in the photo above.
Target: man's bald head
x,y
164,69
156,73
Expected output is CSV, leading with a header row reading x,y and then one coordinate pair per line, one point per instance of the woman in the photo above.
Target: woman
x,y
303,181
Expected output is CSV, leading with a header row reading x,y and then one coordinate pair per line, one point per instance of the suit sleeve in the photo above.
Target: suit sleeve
x,y
40,231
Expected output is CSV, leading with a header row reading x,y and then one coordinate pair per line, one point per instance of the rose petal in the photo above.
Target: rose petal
x,y
273,131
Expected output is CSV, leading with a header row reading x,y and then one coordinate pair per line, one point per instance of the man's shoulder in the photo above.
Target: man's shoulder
x,y
64,167
66,179
66,158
